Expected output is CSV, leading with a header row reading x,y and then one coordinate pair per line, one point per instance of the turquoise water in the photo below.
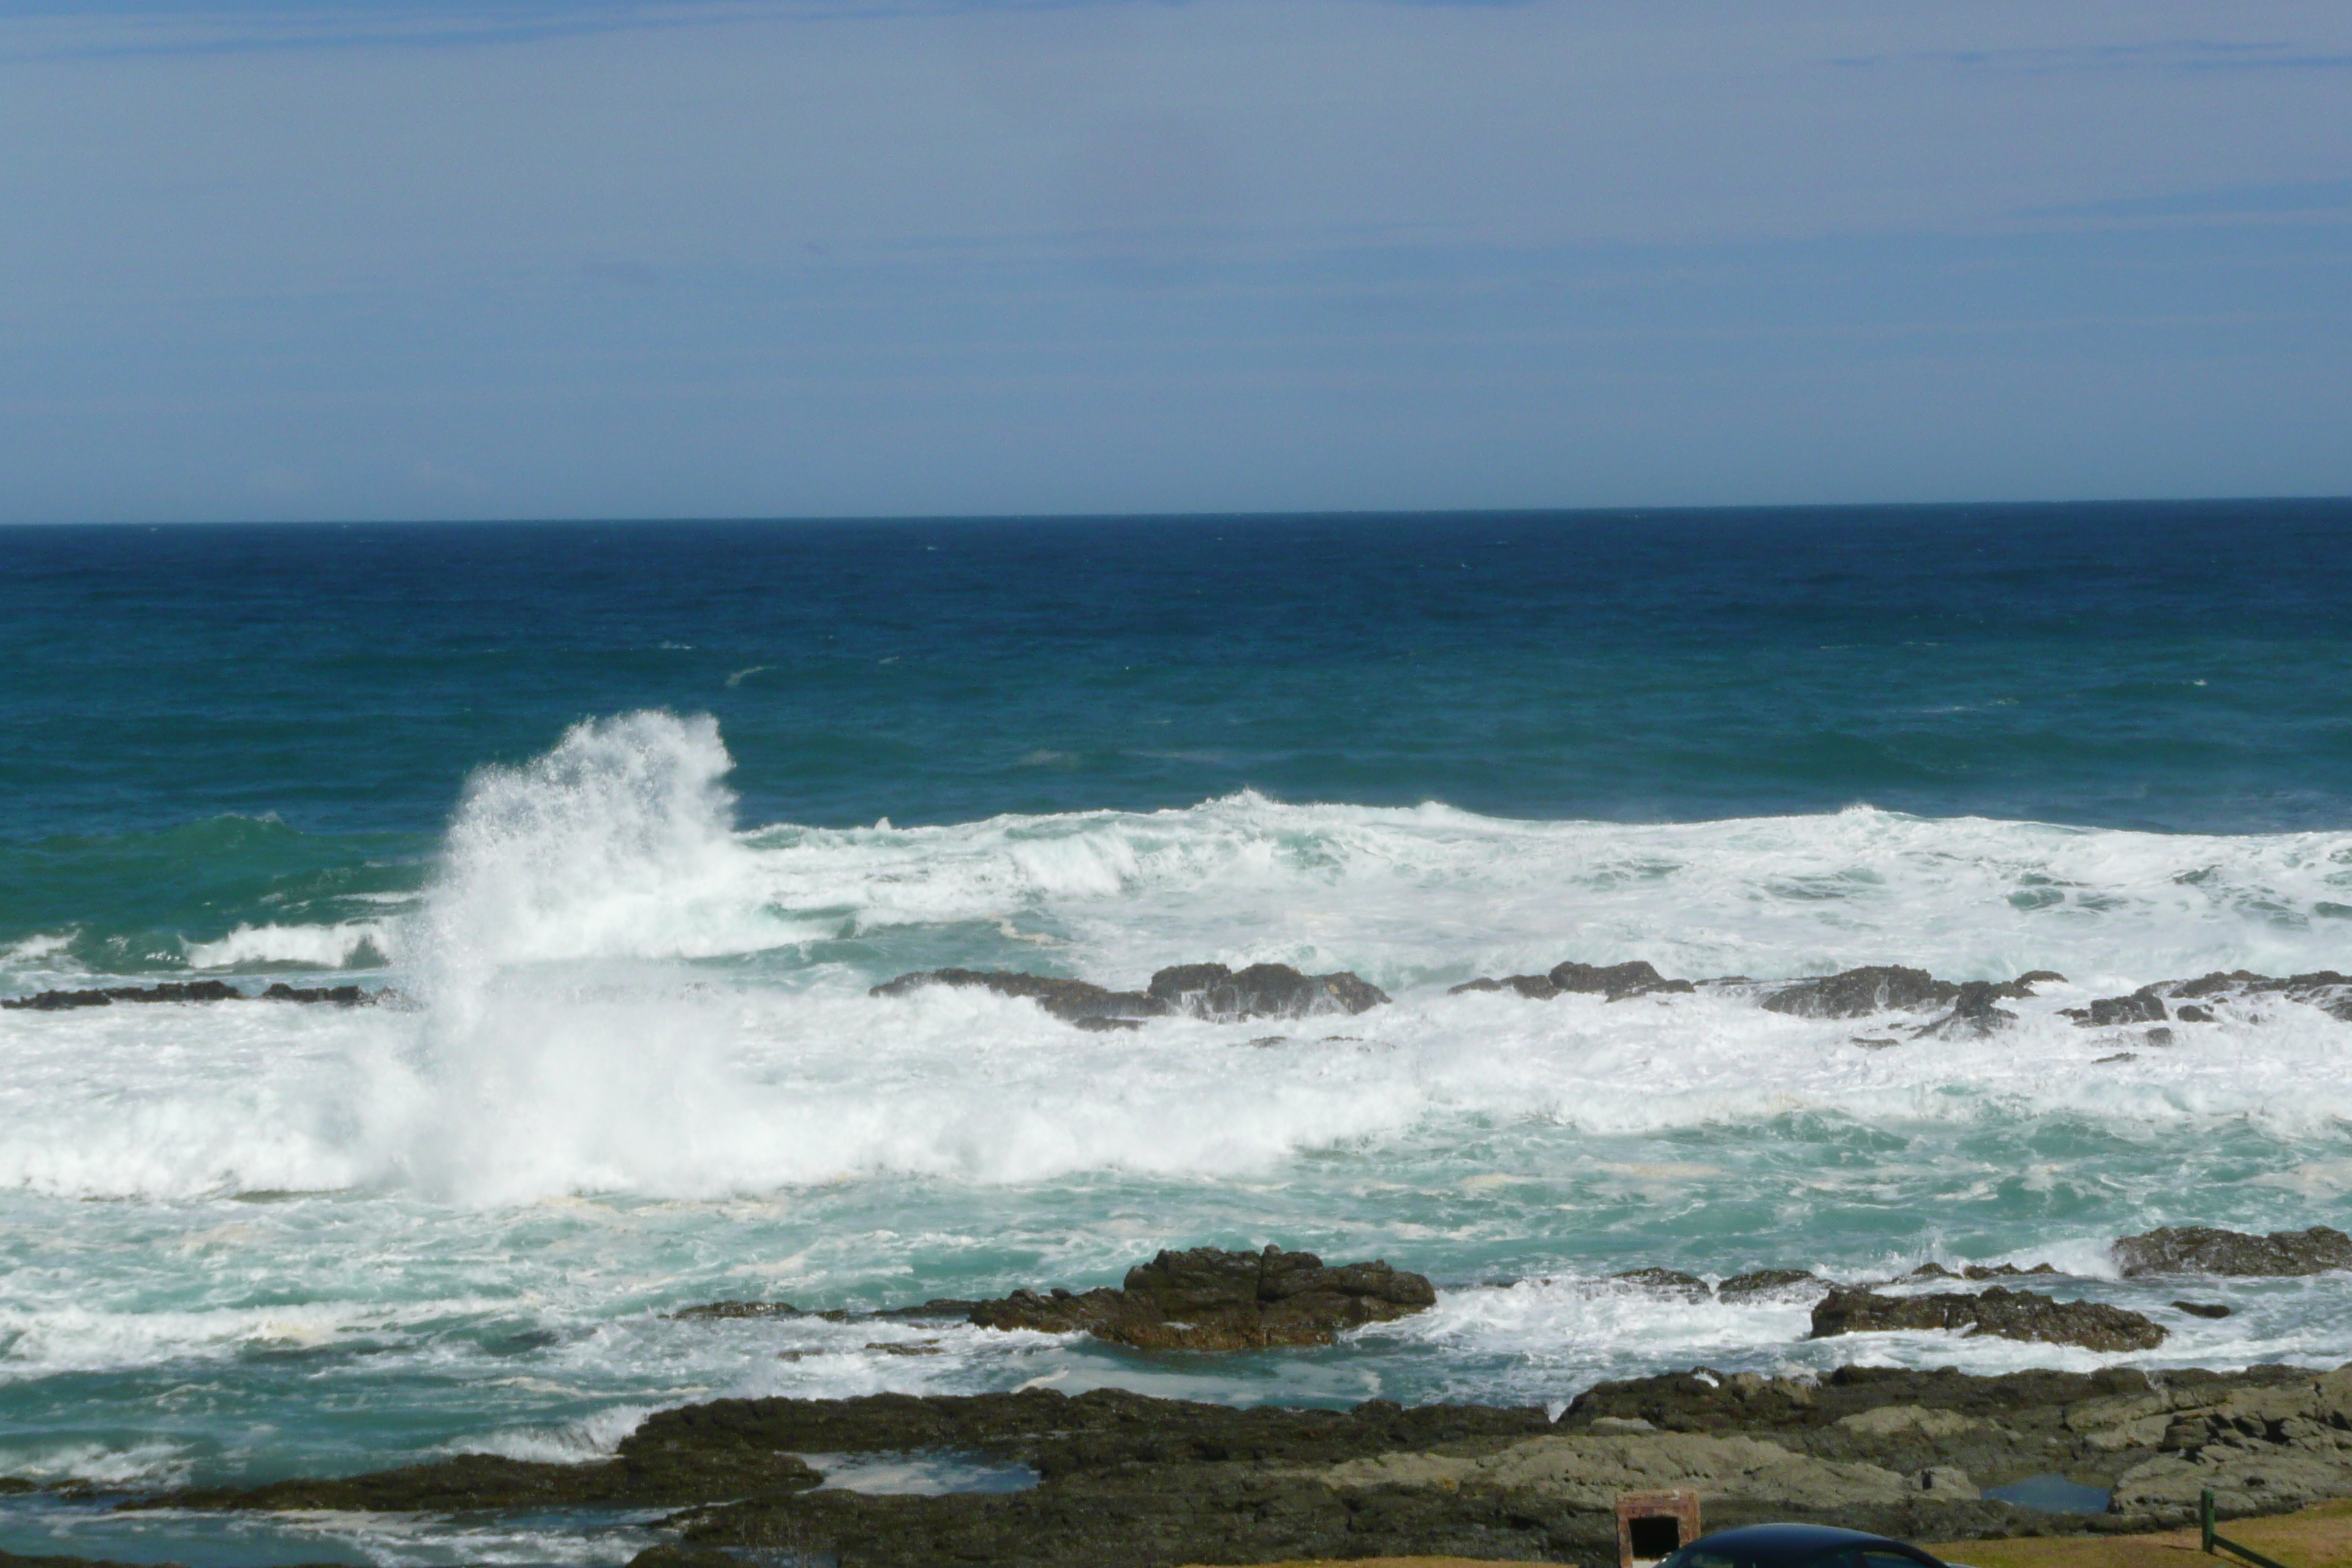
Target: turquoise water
x,y
630,818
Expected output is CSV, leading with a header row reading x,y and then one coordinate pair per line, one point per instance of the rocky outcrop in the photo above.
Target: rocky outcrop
x,y
1208,991
1668,1281
1211,1299
2142,1006
651,1469
2007,1314
1125,1480
1973,1013
1614,982
1890,988
1072,1001
2200,1249
2324,989
1262,990
188,991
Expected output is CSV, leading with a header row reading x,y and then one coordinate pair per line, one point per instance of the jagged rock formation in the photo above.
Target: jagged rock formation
x,y
2142,1006
1208,991
2008,1314
1211,1299
1615,982
189,990
1888,988
2200,1249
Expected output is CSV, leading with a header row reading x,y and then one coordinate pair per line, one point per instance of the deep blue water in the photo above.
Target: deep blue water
x,y
2166,666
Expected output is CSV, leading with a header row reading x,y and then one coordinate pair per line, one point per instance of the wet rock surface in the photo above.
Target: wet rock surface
x,y
2008,1314
1615,982
1131,1482
189,990
2202,1249
1890,988
1209,991
657,1465
1212,1300
2142,1006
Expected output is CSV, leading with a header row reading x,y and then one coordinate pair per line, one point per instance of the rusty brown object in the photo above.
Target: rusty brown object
x,y
1653,1525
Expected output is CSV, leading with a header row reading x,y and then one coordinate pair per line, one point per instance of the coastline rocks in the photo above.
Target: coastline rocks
x,y
1668,1281
1615,982
2008,1314
189,990
2201,1250
1262,990
1762,1280
1211,1299
2322,988
1973,1015
2142,1006
1888,988
1209,991
648,1471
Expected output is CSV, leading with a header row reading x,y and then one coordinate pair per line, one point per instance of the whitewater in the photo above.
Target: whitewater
x,y
626,1061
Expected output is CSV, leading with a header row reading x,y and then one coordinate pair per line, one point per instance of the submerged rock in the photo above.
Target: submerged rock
x,y
2008,1314
1768,1280
2201,1250
722,1310
1211,1299
2203,1309
1072,1001
1671,1282
1973,1015
1534,988
1208,991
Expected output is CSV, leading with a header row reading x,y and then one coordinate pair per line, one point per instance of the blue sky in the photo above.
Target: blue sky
x,y
582,258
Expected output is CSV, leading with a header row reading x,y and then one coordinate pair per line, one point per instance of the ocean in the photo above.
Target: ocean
x,y
629,817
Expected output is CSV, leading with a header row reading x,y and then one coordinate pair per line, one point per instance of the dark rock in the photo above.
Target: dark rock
x,y
1196,990
1973,1015
1764,1279
1262,990
2200,1249
2035,977
2003,1271
333,995
711,1310
1671,1282
1211,1299
1932,1271
2010,1314
1534,988
2324,989
2191,1013
2203,1309
2156,1036
2118,1056
648,1471
1635,977
2142,1006
1071,1001
192,991
1861,993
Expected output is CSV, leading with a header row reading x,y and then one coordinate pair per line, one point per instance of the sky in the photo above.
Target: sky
x,y
271,260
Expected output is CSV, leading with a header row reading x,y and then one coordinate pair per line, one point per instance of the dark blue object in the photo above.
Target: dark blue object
x,y
1797,1546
